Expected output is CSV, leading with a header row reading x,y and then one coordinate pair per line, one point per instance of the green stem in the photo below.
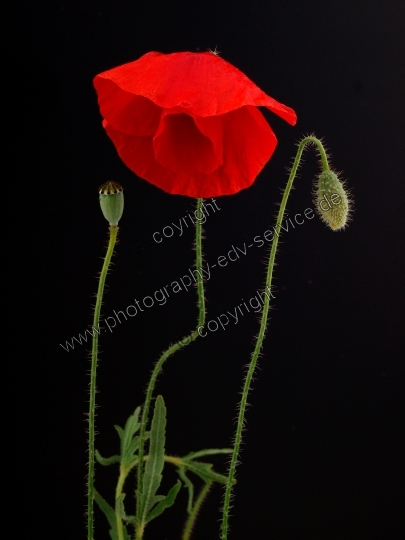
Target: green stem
x,y
180,463
94,359
263,325
118,492
188,529
158,366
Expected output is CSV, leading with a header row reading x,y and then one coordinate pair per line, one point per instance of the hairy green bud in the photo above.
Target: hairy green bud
x,y
112,202
331,200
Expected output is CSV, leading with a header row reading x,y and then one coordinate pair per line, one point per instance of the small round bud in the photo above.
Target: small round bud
x,y
332,202
112,202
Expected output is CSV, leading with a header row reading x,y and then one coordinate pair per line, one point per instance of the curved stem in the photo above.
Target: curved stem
x,y
263,325
180,463
118,492
188,529
94,359
171,350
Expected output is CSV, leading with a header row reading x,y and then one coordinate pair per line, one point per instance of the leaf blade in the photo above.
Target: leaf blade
x,y
190,486
208,452
109,514
165,503
155,463
131,427
204,471
107,461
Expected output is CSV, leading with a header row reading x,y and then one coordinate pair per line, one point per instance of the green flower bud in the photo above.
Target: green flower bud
x,y
112,202
331,200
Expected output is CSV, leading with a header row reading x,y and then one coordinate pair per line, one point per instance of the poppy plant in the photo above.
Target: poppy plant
x,y
188,122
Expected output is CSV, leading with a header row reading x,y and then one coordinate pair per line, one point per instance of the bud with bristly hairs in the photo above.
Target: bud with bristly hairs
x,y
331,200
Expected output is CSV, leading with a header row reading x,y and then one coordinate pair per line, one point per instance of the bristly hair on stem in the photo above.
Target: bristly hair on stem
x,y
249,375
113,231
159,364
190,523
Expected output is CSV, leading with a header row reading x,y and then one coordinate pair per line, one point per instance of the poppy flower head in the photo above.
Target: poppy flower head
x,y
188,122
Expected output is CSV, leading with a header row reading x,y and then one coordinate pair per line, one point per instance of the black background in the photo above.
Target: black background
x,y
322,455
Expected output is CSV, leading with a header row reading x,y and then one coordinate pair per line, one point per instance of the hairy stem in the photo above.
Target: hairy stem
x,y
93,371
118,492
263,325
188,529
158,366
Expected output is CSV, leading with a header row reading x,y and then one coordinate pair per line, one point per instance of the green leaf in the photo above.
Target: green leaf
x,y
110,515
120,510
165,503
106,508
190,487
128,443
108,512
131,427
119,506
209,452
131,448
203,470
131,460
107,461
154,465
121,434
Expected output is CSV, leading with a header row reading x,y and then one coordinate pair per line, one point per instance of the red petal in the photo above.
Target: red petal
x,y
133,115
137,153
248,143
203,84
180,145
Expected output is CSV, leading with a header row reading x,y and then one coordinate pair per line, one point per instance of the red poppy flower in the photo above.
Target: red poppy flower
x,y
188,122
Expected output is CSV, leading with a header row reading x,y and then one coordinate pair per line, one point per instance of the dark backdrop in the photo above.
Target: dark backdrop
x,y
322,455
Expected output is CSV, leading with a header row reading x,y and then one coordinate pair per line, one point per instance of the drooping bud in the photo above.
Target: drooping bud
x,y
112,202
332,202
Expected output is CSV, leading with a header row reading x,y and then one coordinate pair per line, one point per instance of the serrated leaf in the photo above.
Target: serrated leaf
x,y
154,465
106,508
190,487
119,506
131,427
131,460
157,498
120,510
132,446
165,503
111,517
107,461
203,470
208,452
121,435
